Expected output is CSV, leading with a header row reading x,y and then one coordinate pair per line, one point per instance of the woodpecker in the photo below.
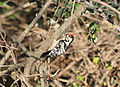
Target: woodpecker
x,y
61,46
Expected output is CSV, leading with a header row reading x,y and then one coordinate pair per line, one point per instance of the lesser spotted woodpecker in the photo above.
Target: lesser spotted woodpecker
x,y
60,47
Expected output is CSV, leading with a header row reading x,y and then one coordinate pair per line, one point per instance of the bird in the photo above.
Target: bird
x,y
59,47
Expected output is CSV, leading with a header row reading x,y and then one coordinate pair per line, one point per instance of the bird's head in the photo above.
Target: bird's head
x,y
69,38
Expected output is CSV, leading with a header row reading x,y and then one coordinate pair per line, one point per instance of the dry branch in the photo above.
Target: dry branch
x,y
22,36
113,9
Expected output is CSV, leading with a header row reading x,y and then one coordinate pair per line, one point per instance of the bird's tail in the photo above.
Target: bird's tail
x,y
45,54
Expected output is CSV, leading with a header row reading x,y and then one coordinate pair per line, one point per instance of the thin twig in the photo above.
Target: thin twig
x,y
113,9
15,82
11,68
2,85
22,36
68,67
43,84
16,9
73,7
58,84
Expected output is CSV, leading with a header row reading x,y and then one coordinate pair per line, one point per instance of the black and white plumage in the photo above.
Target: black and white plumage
x,y
60,47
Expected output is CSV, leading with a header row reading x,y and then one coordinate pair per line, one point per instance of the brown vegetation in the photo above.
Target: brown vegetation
x,y
22,43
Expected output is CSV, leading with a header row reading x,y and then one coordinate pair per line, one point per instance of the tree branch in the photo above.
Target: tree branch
x,y
22,36
113,9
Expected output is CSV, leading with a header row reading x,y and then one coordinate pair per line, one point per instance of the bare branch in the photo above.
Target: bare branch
x,y
22,36
113,9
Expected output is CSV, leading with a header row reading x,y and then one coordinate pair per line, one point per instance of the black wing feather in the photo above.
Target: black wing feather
x,y
45,53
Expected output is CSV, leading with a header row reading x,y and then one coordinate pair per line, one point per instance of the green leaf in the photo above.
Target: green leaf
x,y
65,0
118,36
59,12
2,68
105,83
1,2
110,0
96,59
69,5
13,16
2,10
38,85
77,5
119,9
94,36
110,68
15,85
114,5
77,72
97,28
92,28
106,64
74,84
80,78
54,0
